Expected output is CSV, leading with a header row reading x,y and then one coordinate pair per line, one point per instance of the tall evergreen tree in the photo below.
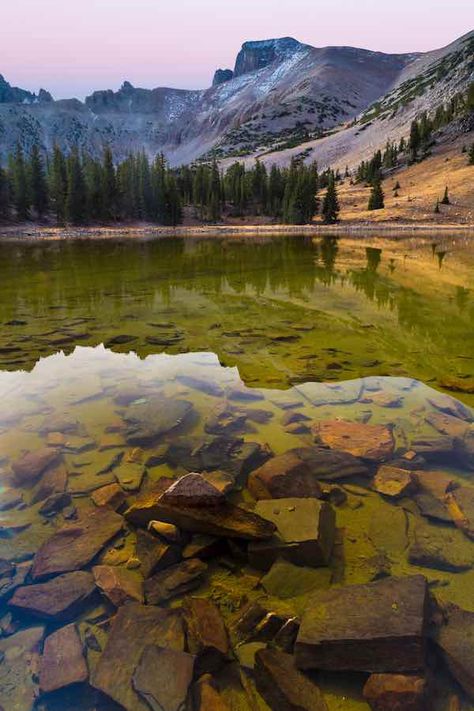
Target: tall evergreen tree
x,y
109,187
376,198
471,155
20,184
4,196
38,184
76,198
446,200
330,209
415,140
58,185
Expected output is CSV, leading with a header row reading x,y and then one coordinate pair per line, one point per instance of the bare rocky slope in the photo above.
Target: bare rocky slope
x,y
281,99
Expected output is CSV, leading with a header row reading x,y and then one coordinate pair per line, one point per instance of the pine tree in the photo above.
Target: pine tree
x,y
415,140
376,198
38,184
58,185
446,200
214,195
4,196
330,209
76,198
19,180
109,187
437,210
173,213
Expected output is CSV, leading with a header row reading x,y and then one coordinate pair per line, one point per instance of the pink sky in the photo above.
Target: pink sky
x,y
72,48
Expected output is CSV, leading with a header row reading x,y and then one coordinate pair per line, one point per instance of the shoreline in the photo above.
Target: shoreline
x,y
46,233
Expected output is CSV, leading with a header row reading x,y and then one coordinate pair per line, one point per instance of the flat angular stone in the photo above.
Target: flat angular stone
x,y
226,520
282,686
163,677
119,585
20,660
433,487
283,476
135,627
75,545
285,580
168,531
53,481
464,447
112,496
153,554
447,424
225,419
29,467
376,627
460,505
440,547
393,482
61,598
455,639
192,490
177,580
203,547
206,634
305,533
331,464
148,421
62,662
371,442
394,692
207,698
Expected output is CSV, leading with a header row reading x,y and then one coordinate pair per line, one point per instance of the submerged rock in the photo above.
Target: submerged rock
x,y
18,669
112,496
285,580
53,481
29,467
393,482
331,464
119,585
283,476
62,662
433,487
225,519
440,547
304,536
163,678
207,698
460,505
392,692
176,580
206,634
376,627
61,598
371,442
153,554
135,627
455,639
192,490
282,686
147,421
75,545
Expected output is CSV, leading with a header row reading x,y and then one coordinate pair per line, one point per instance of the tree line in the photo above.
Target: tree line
x,y
79,189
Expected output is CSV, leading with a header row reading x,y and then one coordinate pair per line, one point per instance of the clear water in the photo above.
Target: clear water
x,y
378,331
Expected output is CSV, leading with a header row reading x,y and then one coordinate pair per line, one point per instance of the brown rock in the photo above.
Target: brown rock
x,y
393,482
29,467
192,490
331,464
163,677
432,488
283,476
221,480
135,627
20,661
460,505
155,555
440,547
206,634
168,531
304,536
53,481
376,627
282,686
119,585
206,697
202,546
75,545
396,692
112,496
447,424
464,447
176,580
225,519
62,662
455,639
58,599
372,442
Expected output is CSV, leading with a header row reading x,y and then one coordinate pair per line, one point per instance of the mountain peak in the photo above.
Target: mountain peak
x,y
257,54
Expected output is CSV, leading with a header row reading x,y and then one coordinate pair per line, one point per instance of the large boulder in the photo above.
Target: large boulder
x,y
61,598
396,692
220,518
305,530
135,627
376,627
62,662
283,476
75,545
372,442
283,687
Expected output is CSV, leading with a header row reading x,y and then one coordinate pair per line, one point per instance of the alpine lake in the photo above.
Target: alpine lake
x,y
320,393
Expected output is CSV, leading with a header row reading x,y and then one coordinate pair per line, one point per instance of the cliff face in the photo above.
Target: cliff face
x,y
281,96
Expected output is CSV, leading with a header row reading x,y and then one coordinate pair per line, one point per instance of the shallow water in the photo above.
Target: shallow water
x,y
100,336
